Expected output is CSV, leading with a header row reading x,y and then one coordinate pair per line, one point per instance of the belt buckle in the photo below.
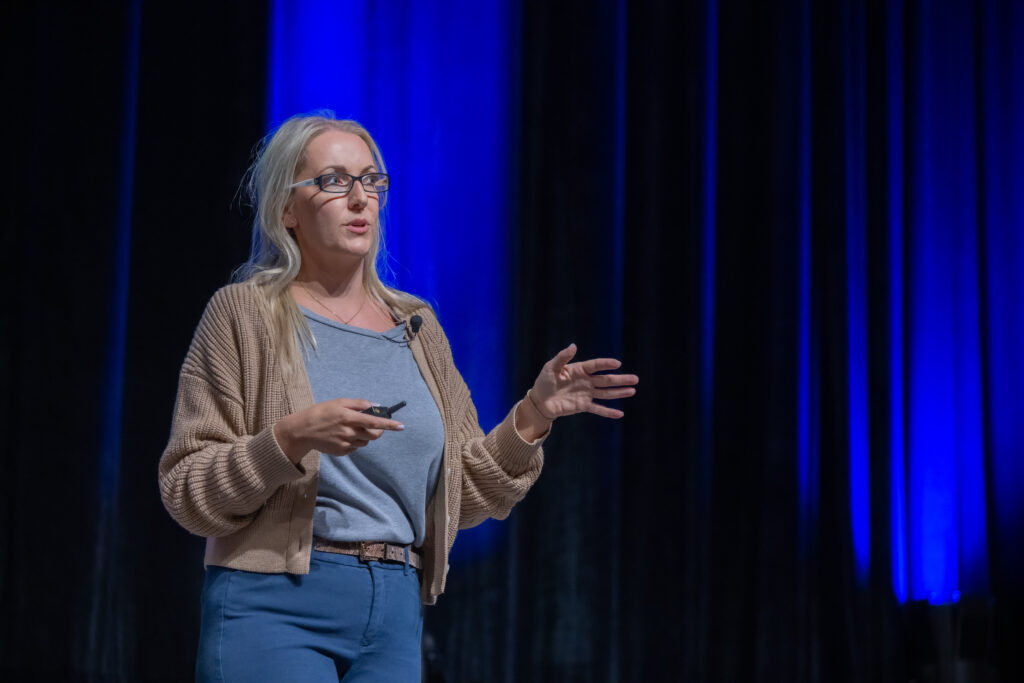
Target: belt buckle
x,y
364,551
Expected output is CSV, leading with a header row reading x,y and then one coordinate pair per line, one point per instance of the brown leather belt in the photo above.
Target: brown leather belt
x,y
369,550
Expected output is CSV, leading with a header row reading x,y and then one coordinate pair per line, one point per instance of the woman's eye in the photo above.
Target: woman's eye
x,y
331,179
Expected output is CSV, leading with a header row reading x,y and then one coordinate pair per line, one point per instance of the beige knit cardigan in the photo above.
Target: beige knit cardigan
x,y
224,476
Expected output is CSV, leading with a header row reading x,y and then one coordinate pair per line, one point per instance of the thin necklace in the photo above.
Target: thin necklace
x,y
330,310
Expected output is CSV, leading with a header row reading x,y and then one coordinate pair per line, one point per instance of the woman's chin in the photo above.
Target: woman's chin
x,y
351,249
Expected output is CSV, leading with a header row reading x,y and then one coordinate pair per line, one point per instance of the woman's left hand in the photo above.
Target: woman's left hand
x,y
563,388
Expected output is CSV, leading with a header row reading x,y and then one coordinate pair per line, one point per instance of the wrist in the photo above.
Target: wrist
x,y
535,408
286,434
528,422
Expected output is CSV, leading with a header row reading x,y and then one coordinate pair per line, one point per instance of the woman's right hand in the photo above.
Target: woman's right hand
x,y
335,427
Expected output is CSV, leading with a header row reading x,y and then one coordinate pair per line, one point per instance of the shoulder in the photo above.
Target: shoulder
x,y
431,334
241,304
239,297
233,326
407,306
427,313
213,356
234,311
430,322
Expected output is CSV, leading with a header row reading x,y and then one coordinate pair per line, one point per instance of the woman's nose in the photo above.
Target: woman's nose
x,y
357,195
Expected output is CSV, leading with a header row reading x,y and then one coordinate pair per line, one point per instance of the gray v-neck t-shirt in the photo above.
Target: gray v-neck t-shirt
x,y
378,492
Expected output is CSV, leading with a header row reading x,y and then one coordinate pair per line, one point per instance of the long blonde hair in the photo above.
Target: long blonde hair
x,y
274,258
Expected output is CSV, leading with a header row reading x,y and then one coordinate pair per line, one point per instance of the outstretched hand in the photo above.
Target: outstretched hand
x,y
564,388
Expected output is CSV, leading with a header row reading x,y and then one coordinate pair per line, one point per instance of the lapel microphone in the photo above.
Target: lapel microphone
x,y
411,328
414,326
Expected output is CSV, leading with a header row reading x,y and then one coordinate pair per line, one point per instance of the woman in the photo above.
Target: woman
x,y
327,526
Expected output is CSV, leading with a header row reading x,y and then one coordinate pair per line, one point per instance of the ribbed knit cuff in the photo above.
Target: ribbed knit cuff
x,y
512,452
270,462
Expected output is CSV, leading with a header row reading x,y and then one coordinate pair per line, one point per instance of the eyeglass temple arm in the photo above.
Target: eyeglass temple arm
x,y
301,183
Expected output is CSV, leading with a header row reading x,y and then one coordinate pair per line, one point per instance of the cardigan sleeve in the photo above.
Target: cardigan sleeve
x,y
498,468
214,476
497,471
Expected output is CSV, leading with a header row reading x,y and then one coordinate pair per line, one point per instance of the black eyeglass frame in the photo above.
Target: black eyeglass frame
x,y
319,182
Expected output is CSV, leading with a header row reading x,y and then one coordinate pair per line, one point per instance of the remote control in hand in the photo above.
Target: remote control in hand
x,y
384,411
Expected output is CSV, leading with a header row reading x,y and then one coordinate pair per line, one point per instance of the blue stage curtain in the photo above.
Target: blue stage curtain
x,y
437,89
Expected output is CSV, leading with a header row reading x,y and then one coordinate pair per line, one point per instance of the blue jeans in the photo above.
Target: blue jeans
x,y
345,620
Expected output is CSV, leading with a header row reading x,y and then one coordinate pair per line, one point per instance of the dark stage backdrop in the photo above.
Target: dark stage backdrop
x,y
796,221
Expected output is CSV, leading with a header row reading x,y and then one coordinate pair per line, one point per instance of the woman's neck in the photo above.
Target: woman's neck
x,y
334,282
341,295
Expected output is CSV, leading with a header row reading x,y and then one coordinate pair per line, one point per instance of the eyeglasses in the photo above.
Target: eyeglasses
x,y
341,183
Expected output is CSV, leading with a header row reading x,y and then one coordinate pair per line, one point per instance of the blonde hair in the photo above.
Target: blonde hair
x,y
274,257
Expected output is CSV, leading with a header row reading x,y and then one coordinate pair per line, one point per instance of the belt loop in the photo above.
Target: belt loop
x,y
405,571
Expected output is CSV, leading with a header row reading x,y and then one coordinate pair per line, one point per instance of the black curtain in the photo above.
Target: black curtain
x,y
96,581
677,546
201,110
669,546
57,238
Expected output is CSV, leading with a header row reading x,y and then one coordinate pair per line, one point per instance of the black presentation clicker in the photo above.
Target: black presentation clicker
x,y
384,411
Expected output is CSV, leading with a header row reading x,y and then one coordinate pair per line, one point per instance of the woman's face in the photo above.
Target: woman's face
x,y
334,229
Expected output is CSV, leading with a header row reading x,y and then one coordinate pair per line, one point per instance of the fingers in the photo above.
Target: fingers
x,y
614,392
600,365
361,434
579,384
337,427
614,380
358,429
351,439
351,413
379,423
356,404
604,411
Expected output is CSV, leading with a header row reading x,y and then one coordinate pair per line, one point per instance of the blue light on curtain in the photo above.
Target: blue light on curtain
x,y
856,286
937,323
944,438
113,399
436,89
807,382
707,293
105,634
894,198
1003,172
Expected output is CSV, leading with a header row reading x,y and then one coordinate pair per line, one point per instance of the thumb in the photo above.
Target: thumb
x,y
563,357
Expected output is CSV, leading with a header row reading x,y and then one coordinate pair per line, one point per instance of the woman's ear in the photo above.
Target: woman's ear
x,y
289,218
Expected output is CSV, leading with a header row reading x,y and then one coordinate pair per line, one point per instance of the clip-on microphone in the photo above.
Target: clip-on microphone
x,y
415,323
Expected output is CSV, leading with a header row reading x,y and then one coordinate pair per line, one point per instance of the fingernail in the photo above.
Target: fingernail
x,y
400,427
